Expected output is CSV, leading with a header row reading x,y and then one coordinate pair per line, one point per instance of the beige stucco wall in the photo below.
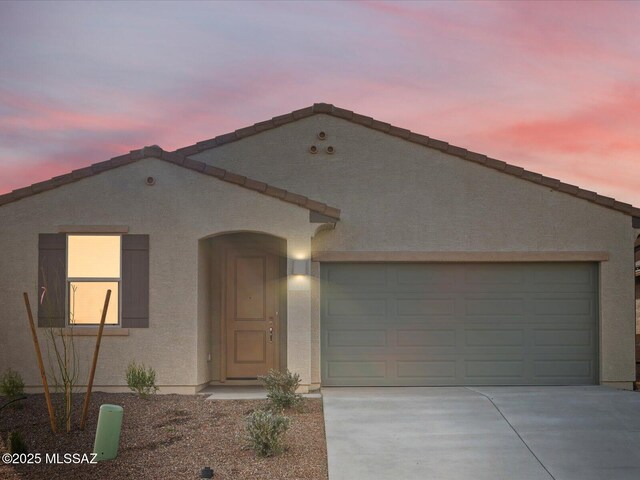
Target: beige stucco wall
x,y
399,196
181,208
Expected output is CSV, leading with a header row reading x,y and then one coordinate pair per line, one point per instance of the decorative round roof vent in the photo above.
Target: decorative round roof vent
x,y
150,181
313,149
322,135
331,150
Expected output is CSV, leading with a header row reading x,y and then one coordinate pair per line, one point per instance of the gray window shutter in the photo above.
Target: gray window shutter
x,y
135,281
52,279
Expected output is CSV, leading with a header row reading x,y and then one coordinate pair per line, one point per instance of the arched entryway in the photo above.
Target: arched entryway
x,y
247,304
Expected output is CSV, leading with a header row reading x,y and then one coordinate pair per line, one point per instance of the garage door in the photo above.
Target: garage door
x,y
459,324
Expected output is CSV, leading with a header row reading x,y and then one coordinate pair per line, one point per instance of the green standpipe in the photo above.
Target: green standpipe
x,y
108,432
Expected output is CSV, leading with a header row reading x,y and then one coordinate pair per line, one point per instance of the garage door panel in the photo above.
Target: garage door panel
x,y
494,369
422,337
494,337
564,274
357,338
473,328
417,370
563,306
357,306
495,306
440,276
573,337
560,368
357,369
425,306
369,275
504,275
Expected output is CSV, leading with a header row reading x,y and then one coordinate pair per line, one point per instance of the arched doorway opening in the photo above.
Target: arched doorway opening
x,y
245,274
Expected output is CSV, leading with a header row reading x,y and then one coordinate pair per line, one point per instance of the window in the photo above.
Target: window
x,y
96,262
93,267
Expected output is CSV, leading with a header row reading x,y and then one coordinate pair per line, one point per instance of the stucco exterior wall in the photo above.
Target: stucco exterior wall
x,y
399,196
179,210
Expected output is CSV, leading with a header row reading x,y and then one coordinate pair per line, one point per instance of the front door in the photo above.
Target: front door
x,y
251,278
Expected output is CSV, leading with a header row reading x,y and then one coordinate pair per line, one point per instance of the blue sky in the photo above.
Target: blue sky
x,y
552,87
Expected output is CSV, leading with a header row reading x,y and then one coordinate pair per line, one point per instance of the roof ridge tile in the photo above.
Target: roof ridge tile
x,y
225,138
192,164
342,113
275,192
476,157
322,107
302,113
437,144
399,132
214,171
362,119
498,164
234,178
458,151
380,126
82,172
418,138
246,131
282,119
173,157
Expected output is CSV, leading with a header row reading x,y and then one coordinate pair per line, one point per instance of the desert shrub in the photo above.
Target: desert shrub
x,y
11,384
266,432
15,443
281,389
141,380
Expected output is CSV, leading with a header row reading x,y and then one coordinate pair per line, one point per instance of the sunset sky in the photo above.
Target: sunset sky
x,y
550,86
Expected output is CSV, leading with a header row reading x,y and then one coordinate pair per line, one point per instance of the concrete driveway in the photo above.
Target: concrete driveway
x,y
527,433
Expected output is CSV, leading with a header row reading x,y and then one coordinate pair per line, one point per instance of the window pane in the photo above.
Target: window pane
x,y
86,300
94,256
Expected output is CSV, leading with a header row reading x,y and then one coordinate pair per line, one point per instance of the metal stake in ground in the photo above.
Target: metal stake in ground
x,y
36,344
87,396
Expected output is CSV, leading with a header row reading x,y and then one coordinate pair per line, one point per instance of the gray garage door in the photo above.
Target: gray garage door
x,y
459,324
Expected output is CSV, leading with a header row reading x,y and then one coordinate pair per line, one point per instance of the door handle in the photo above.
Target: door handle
x,y
271,334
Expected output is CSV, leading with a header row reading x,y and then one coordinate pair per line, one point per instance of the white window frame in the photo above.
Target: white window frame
x,y
69,279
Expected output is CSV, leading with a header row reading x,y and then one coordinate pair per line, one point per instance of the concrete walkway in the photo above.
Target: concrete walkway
x,y
238,392
492,433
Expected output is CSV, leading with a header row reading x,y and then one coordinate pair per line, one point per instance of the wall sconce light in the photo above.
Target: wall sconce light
x,y
299,267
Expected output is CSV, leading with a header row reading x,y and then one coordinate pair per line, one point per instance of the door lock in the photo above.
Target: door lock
x,y
271,334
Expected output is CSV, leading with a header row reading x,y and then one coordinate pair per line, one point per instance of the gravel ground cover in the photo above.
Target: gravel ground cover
x,y
169,437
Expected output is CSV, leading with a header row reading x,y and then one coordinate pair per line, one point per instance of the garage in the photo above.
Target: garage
x,y
429,324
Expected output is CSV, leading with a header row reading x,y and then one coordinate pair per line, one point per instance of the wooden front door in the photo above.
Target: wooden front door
x,y
251,316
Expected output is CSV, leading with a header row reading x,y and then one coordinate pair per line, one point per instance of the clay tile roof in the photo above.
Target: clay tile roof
x,y
332,110
176,158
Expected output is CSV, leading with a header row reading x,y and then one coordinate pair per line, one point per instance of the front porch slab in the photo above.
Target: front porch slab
x,y
248,392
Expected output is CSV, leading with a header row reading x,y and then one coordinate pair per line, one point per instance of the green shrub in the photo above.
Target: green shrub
x,y
11,384
266,432
16,444
281,390
141,380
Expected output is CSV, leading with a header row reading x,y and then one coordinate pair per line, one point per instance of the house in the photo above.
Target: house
x,y
345,249
637,263
637,270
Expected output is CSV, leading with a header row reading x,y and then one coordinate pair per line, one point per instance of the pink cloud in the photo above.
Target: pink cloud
x,y
552,87
607,125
